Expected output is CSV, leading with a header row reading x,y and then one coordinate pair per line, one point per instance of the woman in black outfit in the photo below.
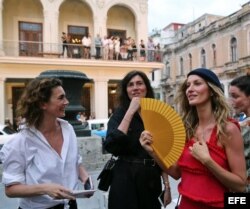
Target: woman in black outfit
x,y
136,182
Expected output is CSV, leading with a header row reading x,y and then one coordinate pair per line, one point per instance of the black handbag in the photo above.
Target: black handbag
x,y
105,177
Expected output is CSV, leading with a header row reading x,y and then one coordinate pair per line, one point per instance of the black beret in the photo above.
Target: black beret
x,y
207,75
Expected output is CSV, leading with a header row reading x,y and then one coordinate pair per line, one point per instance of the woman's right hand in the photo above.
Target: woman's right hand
x,y
146,140
57,191
134,105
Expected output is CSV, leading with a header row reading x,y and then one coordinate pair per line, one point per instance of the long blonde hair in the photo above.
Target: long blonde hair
x,y
220,108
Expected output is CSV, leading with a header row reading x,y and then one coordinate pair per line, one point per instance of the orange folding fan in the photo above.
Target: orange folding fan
x,y
166,127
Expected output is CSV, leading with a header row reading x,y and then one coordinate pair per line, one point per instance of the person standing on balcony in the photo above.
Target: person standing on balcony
x,y
129,48
158,53
70,48
150,50
105,47
41,164
136,181
134,49
239,91
111,48
117,47
142,51
86,42
98,45
64,42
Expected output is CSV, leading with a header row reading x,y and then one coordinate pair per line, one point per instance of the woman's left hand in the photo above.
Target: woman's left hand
x,y
200,151
146,140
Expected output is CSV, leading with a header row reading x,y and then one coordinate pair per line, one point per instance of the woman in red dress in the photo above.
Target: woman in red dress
x,y
212,161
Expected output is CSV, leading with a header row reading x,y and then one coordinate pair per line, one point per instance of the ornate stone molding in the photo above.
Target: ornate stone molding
x,y
143,6
100,3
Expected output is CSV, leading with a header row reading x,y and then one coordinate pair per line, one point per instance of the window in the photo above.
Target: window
x,y
153,76
214,54
76,33
181,66
203,58
30,38
166,71
190,61
233,46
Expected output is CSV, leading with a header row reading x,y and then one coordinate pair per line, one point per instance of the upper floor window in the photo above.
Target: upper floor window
x,y
30,38
203,58
233,46
166,71
214,54
181,66
76,33
153,76
190,61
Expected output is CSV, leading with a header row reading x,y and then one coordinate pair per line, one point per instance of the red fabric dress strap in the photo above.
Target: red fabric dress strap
x,y
235,122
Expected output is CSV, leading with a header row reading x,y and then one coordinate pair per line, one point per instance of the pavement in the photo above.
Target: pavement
x,y
98,201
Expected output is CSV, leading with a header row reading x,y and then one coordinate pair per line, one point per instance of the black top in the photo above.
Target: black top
x,y
121,144
134,185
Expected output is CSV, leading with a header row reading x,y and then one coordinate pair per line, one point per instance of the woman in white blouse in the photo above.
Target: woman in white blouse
x,y
41,164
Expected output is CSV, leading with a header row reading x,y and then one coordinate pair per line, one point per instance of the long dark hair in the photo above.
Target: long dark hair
x,y
123,99
37,92
243,83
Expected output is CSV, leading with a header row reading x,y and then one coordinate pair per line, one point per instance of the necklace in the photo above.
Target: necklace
x,y
204,130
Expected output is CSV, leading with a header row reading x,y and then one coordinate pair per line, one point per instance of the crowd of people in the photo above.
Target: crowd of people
x,y
42,168
110,48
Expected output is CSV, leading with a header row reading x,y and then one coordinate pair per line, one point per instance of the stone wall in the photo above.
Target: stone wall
x,y
92,152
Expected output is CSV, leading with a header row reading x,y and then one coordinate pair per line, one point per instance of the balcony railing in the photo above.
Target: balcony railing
x,y
76,51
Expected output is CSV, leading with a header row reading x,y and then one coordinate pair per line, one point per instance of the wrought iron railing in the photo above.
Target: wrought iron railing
x,y
75,51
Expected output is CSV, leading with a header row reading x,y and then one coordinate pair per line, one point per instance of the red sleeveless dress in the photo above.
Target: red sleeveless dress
x,y
198,187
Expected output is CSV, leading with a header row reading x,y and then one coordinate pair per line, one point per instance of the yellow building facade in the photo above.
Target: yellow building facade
x,y
30,43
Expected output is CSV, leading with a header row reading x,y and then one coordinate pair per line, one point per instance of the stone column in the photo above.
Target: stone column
x,y
1,30
100,26
101,98
142,22
2,100
51,43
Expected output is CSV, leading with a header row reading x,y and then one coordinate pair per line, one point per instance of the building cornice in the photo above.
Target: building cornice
x,y
79,62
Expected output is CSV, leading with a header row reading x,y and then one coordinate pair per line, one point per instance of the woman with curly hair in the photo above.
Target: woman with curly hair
x,y
239,91
41,164
212,161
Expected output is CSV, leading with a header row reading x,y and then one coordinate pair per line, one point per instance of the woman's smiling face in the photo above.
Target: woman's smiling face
x,y
198,91
136,87
239,100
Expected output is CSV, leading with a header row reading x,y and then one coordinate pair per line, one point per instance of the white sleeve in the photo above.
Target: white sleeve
x,y
13,162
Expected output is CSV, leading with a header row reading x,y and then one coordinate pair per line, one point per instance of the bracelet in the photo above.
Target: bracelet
x,y
167,185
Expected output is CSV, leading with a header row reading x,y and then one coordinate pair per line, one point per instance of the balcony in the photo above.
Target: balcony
x,y
30,50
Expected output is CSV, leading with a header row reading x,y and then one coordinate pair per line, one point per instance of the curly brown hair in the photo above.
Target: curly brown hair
x,y
38,91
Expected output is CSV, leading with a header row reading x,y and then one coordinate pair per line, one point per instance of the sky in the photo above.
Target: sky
x,y
163,12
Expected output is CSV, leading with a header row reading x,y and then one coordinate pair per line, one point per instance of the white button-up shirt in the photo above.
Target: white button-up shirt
x,y
29,159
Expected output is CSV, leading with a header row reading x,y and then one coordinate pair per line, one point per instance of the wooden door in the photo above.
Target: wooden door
x,y
30,39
